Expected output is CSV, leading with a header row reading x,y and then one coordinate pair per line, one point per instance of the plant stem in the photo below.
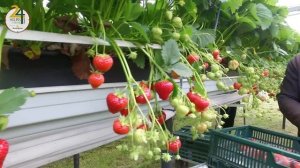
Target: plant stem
x,y
2,37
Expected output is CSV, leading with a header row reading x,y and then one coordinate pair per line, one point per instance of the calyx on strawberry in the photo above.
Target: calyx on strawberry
x,y
174,145
201,104
96,80
4,147
120,128
116,102
164,88
103,62
193,58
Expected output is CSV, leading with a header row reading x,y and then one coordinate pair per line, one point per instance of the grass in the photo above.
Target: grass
x,y
108,156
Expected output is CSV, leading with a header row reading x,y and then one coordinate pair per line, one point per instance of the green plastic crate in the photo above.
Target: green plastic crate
x,y
252,147
195,150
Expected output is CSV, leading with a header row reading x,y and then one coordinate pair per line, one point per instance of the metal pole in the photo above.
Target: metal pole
x,y
76,159
283,122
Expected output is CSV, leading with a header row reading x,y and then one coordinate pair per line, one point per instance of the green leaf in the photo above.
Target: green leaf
x,y
182,70
271,2
140,61
233,5
247,20
253,10
142,30
274,29
191,8
134,10
265,16
204,37
4,10
170,52
11,100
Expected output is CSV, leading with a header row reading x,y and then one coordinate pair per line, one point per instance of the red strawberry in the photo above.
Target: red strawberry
x,y
103,62
141,99
120,128
265,73
174,145
216,53
205,65
143,126
164,88
116,103
96,80
161,118
4,146
191,96
201,104
237,85
124,112
193,58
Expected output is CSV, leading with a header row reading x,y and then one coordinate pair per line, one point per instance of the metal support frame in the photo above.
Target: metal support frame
x,y
283,122
76,160
244,110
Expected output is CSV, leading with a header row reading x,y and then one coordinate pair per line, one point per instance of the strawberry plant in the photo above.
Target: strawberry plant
x,y
249,38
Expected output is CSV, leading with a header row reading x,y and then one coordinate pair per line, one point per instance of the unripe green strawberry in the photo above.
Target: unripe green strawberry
x,y
91,52
182,111
181,2
256,77
176,36
233,64
242,91
32,93
211,75
149,155
169,15
250,70
203,77
140,136
177,22
201,128
175,102
245,99
243,56
214,67
3,122
225,116
185,38
220,85
156,31
166,157
218,74
132,55
209,124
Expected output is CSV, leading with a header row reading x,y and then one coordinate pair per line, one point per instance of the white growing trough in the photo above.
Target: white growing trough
x,y
62,121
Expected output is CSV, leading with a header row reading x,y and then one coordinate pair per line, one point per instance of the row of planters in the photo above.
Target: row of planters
x,y
250,38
